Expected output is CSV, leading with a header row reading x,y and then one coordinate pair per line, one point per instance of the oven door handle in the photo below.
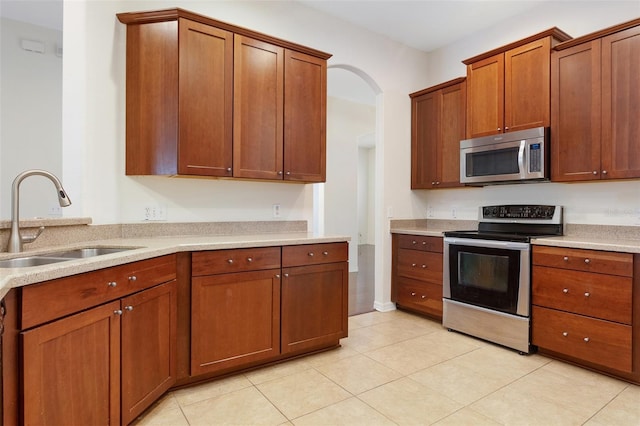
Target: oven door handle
x,y
487,243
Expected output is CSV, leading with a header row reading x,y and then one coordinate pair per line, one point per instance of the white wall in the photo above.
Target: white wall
x,y
30,116
613,203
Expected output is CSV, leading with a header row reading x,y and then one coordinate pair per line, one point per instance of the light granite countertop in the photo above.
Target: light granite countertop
x,y
144,248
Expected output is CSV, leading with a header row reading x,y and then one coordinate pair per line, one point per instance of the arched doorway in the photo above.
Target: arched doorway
x,y
345,204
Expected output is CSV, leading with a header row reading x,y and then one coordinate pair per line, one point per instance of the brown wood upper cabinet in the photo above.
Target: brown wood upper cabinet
x,y
595,100
437,127
206,98
508,88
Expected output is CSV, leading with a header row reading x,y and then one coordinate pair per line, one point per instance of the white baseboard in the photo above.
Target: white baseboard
x,y
384,307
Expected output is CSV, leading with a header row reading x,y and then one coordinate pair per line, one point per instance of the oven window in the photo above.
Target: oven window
x,y
483,271
495,162
483,276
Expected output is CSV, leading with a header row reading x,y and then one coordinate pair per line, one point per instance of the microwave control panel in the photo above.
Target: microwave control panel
x,y
535,158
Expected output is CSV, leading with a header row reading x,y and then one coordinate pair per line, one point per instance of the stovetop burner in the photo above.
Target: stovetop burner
x,y
515,222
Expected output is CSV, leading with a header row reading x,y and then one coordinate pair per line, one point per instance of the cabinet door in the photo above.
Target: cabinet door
x,y
575,107
485,97
258,109
148,347
314,305
452,131
305,109
425,135
206,100
235,319
621,104
71,369
527,87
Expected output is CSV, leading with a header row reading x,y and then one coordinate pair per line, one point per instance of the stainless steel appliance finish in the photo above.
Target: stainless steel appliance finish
x,y
519,156
487,273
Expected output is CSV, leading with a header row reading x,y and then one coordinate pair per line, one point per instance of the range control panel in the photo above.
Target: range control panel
x,y
519,211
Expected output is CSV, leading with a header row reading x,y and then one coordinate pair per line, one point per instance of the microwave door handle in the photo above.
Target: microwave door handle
x,y
523,172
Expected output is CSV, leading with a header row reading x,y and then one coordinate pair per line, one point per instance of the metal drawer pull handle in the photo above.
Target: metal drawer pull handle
x,y
586,339
249,259
230,261
326,253
118,312
565,290
565,334
566,258
587,261
112,283
133,278
128,308
311,253
587,294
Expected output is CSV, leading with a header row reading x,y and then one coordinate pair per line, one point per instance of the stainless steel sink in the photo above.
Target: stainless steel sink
x,y
23,262
88,252
61,256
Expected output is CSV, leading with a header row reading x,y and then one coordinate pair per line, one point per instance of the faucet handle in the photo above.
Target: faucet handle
x,y
31,238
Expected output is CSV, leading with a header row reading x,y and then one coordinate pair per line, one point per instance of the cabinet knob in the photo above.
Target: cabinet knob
x,y
587,294
506,128
325,253
424,243
286,275
288,173
229,169
277,275
424,297
587,261
414,242
249,259
230,261
424,266
413,265
499,129
133,278
433,183
413,293
595,172
565,290
118,312
586,339
128,308
604,172
437,182
566,258
311,254
112,284
279,172
565,334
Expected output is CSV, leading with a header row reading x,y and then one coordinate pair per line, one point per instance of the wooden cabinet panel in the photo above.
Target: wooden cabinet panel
x,y
485,97
235,319
621,104
576,109
305,108
82,291
593,340
602,296
602,262
417,242
71,370
148,348
425,266
314,306
258,109
527,89
205,100
425,134
452,131
234,260
310,254
419,295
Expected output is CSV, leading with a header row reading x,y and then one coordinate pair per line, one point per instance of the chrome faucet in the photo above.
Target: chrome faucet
x,y
15,239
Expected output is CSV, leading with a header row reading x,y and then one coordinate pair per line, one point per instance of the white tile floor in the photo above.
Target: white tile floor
x,y
397,368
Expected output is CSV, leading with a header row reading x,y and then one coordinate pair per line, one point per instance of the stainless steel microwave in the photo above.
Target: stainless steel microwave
x,y
506,158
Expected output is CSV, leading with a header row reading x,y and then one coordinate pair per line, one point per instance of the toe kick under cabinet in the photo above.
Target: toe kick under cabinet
x,y
586,307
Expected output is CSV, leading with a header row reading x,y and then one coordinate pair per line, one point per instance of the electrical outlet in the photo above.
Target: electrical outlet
x,y
276,210
153,213
55,210
454,213
429,211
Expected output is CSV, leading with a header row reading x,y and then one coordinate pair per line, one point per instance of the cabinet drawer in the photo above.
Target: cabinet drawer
x,y
310,254
236,260
419,265
584,260
425,297
63,296
602,296
589,339
415,242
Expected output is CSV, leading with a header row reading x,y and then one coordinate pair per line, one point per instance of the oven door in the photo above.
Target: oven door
x,y
487,273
